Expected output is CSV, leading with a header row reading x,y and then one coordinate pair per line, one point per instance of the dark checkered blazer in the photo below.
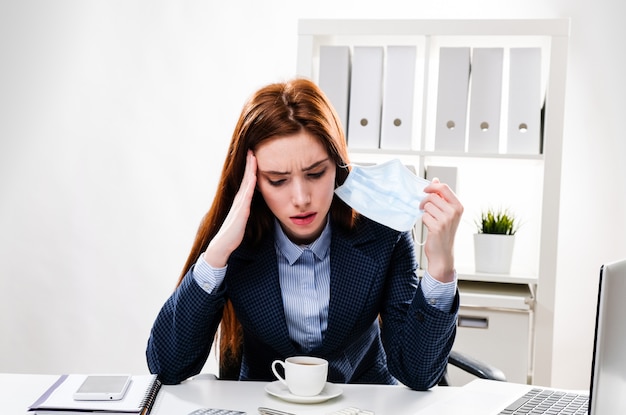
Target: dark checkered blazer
x,y
372,275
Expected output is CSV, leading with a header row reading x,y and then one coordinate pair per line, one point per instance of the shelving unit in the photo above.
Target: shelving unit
x,y
529,183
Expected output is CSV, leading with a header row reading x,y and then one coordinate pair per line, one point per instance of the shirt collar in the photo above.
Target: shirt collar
x,y
292,251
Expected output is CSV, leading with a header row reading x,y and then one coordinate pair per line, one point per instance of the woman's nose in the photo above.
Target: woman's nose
x,y
301,195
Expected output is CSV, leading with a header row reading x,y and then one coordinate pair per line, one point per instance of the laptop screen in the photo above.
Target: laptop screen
x,y
608,377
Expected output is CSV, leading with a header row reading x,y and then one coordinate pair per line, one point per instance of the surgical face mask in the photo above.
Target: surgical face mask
x,y
388,193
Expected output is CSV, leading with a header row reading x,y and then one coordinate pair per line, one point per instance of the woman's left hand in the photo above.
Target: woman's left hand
x,y
442,214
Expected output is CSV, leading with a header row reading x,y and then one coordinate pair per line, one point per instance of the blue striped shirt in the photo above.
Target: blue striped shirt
x,y
304,273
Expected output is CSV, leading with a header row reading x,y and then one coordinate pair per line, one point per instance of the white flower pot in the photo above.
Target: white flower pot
x,y
493,253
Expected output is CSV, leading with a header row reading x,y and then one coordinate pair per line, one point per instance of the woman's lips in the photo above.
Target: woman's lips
x,y
303,219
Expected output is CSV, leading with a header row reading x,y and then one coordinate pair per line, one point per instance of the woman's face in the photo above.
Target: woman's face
x,y
296,177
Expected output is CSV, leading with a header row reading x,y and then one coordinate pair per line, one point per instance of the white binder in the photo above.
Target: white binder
x,y
365,97
398,94
452,92
485,100
524,124
334,78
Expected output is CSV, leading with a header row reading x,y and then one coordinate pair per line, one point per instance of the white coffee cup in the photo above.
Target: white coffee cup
x,y
304,375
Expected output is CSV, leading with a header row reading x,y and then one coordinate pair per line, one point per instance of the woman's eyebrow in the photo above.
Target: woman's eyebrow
x,y
282,173
315,165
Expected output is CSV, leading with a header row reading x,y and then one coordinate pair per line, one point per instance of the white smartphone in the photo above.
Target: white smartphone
x,y
102,388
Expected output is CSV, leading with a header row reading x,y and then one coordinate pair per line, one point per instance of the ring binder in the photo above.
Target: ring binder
x,y
452,89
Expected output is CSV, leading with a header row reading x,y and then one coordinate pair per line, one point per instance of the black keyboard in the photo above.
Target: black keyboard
x,y
549,402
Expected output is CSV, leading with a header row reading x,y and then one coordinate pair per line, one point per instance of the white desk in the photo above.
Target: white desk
x,y
18,391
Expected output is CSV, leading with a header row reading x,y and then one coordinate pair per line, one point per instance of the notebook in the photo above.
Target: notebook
x,y
608,374
58,399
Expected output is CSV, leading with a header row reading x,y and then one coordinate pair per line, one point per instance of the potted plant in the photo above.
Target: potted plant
x,y
493,243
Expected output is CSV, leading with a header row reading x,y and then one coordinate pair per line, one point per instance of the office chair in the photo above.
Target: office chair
x,y
472,366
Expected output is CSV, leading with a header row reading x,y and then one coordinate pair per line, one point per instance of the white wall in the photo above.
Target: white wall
x,y
114,122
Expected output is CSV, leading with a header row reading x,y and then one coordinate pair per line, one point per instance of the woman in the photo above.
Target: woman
x,y
287,268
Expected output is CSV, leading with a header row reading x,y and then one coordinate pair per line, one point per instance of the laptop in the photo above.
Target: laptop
x,y
607,394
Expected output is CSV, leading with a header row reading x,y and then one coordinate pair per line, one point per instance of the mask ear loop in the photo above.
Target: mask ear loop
x,y
344,166
414,234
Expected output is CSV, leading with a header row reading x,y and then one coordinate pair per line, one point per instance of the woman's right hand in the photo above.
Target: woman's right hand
x,y
230,235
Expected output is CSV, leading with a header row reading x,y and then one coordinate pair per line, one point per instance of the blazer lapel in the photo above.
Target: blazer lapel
x,y
254,288
352,275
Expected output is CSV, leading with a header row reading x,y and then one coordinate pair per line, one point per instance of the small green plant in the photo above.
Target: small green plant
x,y
501,222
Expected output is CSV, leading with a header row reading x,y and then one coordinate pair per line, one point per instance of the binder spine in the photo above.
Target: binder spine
x,y
452,96
334,79
365,97
485,100
525,102
398,89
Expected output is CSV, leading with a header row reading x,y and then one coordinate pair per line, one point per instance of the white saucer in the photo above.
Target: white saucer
x,y
279,390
